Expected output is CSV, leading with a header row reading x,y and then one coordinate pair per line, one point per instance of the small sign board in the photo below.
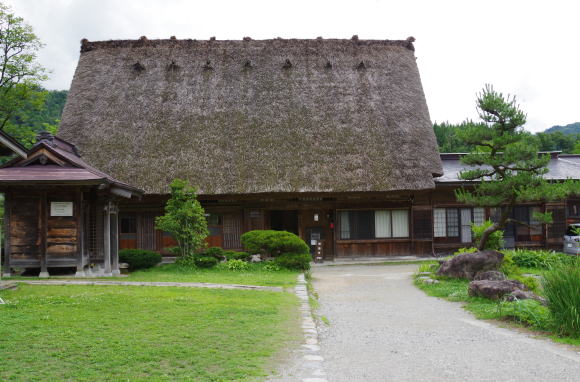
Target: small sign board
x,y
61,208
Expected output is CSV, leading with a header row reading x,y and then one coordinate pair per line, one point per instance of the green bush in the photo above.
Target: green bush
x,y
529,312
233,255
562,289
139,258
270,266
494,241
465,250
236,265
216,252
295,261
205,261
541,259
508,266
273,243
187,261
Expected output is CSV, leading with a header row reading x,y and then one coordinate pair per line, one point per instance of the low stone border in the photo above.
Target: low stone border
x,y
312,365
150,283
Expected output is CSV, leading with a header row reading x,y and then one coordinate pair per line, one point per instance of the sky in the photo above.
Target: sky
x,y
530,49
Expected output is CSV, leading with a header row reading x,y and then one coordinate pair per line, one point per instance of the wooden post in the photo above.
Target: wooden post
x,y
80,234
43,233
7,254
107,239
115,241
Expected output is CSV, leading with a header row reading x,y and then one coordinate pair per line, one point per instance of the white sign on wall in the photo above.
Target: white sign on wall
x,y
61,208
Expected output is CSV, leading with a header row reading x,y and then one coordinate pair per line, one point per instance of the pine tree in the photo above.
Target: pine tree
x,y
505,166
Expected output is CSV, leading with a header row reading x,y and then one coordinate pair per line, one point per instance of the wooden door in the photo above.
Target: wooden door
x,y
232,230
25,237
318,221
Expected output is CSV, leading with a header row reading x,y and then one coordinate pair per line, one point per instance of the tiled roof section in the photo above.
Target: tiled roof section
x,y
561,166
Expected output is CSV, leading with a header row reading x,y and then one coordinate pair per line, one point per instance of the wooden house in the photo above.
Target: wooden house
x,y
329,139
59,211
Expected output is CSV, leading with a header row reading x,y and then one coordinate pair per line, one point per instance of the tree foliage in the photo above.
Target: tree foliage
x,y
448,139
184,218
505,162
20,74
30,119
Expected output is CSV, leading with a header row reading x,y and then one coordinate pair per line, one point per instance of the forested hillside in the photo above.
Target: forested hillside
x,y
572,128
41,112
552,139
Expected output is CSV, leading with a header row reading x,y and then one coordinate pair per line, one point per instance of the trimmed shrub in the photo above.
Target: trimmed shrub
x,y
216,252
295,261
273,243
205,261
139,258
233,255
236,265
562,289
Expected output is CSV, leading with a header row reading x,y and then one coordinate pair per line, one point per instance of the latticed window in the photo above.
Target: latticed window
x,y
452,222
456,222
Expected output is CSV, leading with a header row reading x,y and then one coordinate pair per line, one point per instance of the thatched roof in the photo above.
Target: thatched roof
x,y
254,116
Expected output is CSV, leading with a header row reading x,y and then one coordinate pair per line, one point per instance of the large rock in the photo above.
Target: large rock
x,y
494,289
519,294
490,275
467,265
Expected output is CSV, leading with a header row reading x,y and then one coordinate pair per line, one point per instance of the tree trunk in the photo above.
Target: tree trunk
x,y
495,227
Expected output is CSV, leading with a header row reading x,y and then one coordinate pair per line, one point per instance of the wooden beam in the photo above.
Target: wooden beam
x,y
79,216
43,232
115,242
7,252
107,238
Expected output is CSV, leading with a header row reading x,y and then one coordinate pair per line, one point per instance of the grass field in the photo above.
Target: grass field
x,y
253,276
121,333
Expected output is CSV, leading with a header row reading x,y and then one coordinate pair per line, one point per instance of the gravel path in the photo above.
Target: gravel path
x,y
382,328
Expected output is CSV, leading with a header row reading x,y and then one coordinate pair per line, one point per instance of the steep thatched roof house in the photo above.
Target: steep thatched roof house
x,y
330,139
245,117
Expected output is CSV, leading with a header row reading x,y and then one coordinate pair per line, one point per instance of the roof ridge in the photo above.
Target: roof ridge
x,y
143,41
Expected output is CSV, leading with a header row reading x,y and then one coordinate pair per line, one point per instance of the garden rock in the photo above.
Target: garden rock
x,y
494,289
519,294
256,258
490,275
467,265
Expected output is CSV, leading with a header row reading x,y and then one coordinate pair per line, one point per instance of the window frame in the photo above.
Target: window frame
x,y
340,233
456,223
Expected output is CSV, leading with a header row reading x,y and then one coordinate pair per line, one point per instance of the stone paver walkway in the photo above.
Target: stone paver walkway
x,y
382,328
147,283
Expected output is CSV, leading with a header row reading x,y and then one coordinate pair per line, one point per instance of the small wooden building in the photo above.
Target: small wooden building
x,y
59,211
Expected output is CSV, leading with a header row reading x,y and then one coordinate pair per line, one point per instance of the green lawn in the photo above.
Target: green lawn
x,y
113,333
253,276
